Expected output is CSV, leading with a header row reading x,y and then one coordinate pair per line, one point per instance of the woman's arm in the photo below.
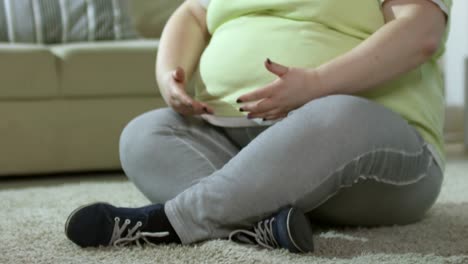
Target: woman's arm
x,y
412,34
182,42
183,39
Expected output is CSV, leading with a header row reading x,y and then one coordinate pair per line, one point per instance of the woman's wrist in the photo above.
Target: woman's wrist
x,y
318,85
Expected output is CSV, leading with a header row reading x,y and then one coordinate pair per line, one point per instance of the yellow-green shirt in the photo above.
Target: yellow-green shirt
x,y
308,33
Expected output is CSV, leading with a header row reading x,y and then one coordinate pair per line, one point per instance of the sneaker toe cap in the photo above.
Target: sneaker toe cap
x,y
89,226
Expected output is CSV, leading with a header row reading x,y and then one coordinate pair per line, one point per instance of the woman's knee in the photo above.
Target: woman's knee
x,y
148,122
143,150
141,135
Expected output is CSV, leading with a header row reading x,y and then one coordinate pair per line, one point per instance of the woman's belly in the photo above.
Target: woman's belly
x,y
233,62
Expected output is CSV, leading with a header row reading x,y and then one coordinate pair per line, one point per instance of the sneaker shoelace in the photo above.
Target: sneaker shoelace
x,y
262,234
133,234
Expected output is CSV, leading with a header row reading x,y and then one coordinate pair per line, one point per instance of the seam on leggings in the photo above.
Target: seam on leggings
x,y
387,181
221,146
388,150
194,149
374,177
350,185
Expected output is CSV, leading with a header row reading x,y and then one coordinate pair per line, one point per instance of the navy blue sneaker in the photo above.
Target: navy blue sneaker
x,y
289,229
102,224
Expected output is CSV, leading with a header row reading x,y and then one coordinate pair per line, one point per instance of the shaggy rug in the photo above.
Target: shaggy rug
x,y
33,212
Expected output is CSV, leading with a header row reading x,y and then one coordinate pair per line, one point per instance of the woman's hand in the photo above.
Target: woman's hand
x,y
176,97
293,88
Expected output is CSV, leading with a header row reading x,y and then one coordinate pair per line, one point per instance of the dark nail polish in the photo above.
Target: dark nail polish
x,y
241,109
264,119
239,101
205,109
268,61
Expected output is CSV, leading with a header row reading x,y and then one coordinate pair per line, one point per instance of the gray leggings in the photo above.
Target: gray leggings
x,y
342,159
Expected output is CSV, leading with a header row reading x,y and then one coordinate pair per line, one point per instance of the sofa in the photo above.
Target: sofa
x,y
63,106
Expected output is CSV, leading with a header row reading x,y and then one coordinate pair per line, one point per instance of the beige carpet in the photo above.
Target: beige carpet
x,y
33,212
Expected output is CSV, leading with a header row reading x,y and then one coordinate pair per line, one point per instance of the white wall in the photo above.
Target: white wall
x,y
457,49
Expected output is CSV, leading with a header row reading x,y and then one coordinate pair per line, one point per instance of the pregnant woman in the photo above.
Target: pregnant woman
x,y
310,110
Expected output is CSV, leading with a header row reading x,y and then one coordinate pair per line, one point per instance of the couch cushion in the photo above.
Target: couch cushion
x,y
48,136
150,16
60,21
107,68
27,71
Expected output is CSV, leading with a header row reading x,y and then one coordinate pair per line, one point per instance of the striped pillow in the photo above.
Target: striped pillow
x,y
62,21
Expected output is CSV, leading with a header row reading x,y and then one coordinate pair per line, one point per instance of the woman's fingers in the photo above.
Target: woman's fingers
x,y
274,117
258,94
207,109
276,68
186,105
179,97
269,115
180,101
260,107
179,75
269,90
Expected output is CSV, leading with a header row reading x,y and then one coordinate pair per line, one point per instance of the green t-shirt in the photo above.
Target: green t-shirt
x,y
308,33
